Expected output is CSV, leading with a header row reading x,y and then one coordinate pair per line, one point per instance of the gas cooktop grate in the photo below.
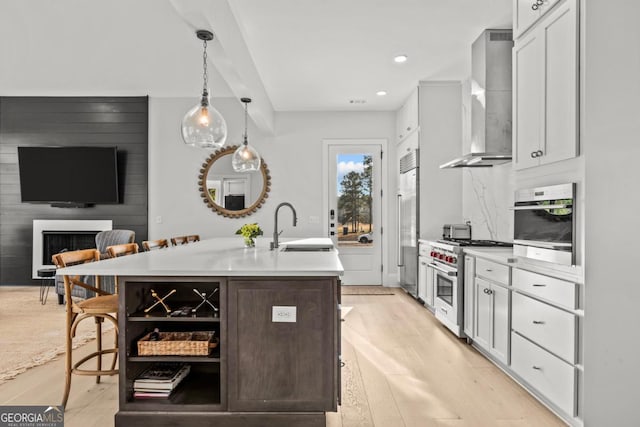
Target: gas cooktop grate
x,y
467,242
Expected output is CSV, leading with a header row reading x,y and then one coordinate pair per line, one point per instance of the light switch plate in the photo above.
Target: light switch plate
x,y
280,313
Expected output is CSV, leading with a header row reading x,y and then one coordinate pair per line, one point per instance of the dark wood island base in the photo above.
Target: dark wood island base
x,y
277,359
220,419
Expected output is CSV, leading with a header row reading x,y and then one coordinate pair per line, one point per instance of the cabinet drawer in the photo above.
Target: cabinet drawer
x,y
492,271
552,377
545,325
554,290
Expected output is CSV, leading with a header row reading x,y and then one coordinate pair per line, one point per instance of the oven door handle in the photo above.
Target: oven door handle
x,y
539,207
442,270
543,245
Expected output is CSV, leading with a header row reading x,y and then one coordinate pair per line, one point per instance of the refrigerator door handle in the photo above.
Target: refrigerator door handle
x,y
399,255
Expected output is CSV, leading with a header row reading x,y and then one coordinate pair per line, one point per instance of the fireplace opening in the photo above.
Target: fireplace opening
x,y
54,242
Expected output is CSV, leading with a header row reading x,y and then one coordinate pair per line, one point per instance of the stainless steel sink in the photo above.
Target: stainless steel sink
x,y
304,249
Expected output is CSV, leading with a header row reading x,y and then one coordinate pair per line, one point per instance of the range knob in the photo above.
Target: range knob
x,y
449,259
454,259
440,256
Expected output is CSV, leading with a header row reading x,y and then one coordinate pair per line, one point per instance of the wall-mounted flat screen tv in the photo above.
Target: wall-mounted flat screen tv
x,y
73,176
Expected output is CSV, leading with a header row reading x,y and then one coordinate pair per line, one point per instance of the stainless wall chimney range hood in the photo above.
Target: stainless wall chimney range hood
x,y
490,101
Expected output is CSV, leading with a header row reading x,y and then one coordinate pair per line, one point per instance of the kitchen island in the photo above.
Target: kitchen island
x,y
275,318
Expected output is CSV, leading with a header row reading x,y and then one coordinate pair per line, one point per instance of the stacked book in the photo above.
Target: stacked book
x,y
159,380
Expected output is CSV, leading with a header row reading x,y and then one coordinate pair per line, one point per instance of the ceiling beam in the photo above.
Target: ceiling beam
x,y
230,55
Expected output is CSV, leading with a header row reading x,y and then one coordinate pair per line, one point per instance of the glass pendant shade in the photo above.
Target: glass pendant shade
x,y
203,126
245,158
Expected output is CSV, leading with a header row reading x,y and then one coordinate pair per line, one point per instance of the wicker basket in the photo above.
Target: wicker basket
x,y
178,344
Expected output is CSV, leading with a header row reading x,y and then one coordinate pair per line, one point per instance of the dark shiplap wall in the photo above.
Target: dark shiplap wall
x,y
69,121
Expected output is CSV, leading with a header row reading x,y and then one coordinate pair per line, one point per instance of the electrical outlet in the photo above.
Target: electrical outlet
x,y
313,219
285,314
158,219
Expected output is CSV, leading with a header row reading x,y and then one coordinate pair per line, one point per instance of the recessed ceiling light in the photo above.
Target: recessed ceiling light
x,y
400,59
381,92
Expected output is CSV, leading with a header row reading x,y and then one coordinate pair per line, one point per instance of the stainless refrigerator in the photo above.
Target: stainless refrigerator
x,y
408,225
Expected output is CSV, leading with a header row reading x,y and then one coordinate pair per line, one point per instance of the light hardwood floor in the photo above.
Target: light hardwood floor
x,y
402,368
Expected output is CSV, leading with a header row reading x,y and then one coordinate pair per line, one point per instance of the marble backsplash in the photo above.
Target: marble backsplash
x,y
487,196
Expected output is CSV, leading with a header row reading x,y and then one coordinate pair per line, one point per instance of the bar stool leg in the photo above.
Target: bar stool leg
x,y
67,371
99,345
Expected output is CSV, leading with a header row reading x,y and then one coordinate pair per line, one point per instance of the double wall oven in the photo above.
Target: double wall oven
x,y
445,269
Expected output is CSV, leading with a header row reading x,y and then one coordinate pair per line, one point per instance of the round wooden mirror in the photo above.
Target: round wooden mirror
x,y
229,193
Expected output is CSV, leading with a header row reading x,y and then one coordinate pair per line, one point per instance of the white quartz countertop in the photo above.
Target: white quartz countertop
x,y
502,255
218,257
506,256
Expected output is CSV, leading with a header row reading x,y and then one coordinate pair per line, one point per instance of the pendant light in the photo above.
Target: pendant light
x,y
245,158
203,126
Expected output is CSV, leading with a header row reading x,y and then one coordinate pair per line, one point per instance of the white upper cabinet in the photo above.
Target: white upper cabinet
x,y
407,117
545,104
527,12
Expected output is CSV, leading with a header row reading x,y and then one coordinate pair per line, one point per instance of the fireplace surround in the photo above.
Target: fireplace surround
x,y
53,236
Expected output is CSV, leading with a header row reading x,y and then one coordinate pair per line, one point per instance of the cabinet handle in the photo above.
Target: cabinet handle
x,y
539,153
533,154
488,291
538,285
488,269
443,310
408,128
534,6
537,368
538,322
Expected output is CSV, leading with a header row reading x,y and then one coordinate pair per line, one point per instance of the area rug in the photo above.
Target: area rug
x,y
32,334
366,290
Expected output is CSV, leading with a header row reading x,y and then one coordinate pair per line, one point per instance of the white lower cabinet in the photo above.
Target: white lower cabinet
x,y
530,323
549,375
425,281
545,337
491,330
469,292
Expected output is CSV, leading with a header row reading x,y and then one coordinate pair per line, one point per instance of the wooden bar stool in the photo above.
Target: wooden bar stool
x,y
149,245
183,240
124,249
101,307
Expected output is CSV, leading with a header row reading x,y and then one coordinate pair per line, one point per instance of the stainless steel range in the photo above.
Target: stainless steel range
x,y
446,269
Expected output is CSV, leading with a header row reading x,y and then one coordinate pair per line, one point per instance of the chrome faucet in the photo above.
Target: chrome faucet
x,y
274,244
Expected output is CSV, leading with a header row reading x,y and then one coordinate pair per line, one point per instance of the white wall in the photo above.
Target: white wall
x,y
612,150
293,155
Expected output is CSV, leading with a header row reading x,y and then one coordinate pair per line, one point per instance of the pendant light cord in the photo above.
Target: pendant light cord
x,y
245,123
205,78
